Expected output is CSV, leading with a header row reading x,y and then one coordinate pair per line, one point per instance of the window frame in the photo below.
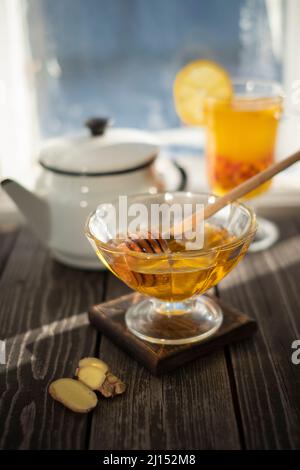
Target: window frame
x,y
291,59
14,44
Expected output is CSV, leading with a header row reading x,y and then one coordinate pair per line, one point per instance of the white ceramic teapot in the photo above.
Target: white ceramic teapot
x,y
78,173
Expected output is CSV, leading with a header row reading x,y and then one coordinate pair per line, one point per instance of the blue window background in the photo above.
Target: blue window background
x,y
118,58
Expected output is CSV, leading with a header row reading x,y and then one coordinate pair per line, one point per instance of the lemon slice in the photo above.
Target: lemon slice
x,y
193,84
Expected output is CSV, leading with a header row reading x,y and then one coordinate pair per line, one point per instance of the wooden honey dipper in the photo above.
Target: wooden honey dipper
x,y
159,245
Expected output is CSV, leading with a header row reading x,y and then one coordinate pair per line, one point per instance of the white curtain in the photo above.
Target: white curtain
x,y
18,116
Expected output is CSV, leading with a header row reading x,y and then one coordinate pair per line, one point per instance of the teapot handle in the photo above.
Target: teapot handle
x,y
183,177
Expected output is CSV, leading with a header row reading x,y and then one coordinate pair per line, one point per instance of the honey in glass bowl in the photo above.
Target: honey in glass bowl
x,y
179,274
173,279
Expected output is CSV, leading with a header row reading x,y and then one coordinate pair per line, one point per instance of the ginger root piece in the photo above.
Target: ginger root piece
x,y
93,361
93,377
112,386
73,394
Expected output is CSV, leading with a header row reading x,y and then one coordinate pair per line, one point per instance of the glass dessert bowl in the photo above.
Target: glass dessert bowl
x,y
170,273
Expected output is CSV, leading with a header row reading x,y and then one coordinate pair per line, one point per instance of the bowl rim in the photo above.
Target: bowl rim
x,y
178,254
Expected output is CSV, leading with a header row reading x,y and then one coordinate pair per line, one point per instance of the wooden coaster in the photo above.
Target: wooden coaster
x,y
109,318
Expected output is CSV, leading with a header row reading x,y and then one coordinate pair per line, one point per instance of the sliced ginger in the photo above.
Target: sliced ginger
x,y
92,376
73,394
93,361
78,395
112,386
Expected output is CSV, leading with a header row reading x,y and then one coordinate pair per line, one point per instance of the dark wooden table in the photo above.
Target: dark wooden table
x,y
243,396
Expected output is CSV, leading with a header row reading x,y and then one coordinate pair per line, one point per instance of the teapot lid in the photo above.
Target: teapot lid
x,y
103,152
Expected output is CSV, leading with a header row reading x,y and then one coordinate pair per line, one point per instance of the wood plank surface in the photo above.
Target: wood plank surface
x,y
245,396
8,237
40,305
190,408
267,383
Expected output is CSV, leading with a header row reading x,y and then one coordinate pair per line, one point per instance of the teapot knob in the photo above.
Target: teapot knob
x,y
97,126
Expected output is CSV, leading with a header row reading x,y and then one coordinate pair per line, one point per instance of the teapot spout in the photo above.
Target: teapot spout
x,y
34,208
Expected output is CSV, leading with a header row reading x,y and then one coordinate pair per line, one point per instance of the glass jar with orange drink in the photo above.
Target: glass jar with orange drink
x,y
241,134
241,120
